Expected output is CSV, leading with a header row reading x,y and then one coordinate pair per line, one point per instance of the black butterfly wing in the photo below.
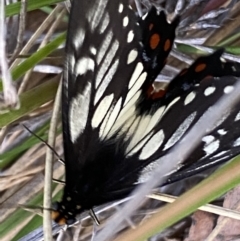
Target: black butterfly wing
x,y
215,147
106,69
102,52
157,38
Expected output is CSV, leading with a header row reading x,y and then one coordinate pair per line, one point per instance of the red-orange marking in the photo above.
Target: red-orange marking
x,y
200,67
150,26
150,91
165,61
184,71
154,40
159,94
55,216
207,78
167,45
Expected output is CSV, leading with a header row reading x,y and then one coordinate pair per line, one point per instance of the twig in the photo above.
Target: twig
x,y
47,202
226,212
21,29
53,26
36,35
9,90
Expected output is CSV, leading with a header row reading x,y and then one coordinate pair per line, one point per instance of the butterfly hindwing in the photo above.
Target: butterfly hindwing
x,y
218,146
158,37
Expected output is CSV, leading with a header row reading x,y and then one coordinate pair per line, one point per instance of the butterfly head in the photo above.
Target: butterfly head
x,y
64,213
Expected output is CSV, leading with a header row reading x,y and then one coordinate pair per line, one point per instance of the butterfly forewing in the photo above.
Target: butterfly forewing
x,y
102,52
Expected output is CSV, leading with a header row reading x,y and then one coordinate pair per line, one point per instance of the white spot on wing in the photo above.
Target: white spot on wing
x,y
78,38
104,23
104,46
130,36
93,50
107,79
126,114
106,64
237,118
133,130
222,132
180,131
220,154
152,145
236,142
189,98
208,91
138,84
144,16
130,105
120,8
139,145
83,65
155,119
101,110
171,104
228,89
208,139
109,121
137,71
212,147
71,63
78,112
127,124
138,133
132,56
125,21
95,13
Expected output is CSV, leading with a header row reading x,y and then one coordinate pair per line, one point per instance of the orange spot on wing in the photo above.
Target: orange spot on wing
x,y
200,67
150,26
167,45
154,40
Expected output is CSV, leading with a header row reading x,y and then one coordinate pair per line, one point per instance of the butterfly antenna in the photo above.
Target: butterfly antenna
x,y
94,217
33,207
58,181
50,147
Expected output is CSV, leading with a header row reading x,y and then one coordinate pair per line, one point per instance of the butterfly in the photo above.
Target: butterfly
x,y
115,122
